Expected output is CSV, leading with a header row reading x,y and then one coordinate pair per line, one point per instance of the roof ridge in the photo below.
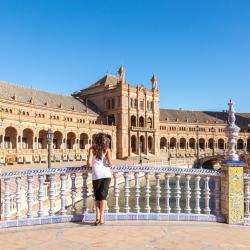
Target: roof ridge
x,y
32,88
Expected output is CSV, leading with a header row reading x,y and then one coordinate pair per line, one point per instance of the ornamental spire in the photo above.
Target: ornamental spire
x,y
232,132
154,81
121,74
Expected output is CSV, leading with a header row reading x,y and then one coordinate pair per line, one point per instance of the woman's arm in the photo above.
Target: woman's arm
x,y
90,158
109,157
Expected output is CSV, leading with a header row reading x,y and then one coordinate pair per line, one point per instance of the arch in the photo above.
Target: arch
x,y
57,140
173,143
248,144
83,140
42,139
133,121
141,121
150,144
71,140
240,144
221,144
192,143
163,143
182,143
150,122
211,143
27,138
142,144
202,143
10,139
133,144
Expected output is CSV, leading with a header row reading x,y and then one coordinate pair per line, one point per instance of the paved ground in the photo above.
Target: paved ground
x,y
128,235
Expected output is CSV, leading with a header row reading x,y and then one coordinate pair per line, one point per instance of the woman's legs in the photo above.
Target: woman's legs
x,y
98,215
103,204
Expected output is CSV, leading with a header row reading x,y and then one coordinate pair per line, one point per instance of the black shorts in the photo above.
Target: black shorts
x,y
101,188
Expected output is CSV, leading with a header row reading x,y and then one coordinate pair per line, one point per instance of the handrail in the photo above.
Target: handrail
x,y
154,169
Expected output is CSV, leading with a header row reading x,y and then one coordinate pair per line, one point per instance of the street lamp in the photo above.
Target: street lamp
x,y
197,144
49,140
213,131
140,162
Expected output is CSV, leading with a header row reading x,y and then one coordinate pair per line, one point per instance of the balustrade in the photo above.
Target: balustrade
x,y
156,191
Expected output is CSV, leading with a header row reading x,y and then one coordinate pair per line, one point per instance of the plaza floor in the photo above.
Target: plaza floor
x,y
134,235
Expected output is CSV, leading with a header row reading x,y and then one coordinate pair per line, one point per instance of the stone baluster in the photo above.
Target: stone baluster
x,y
85,193
40,212
177,194
73,192
216,195
247,198
127,192
187,194
63,178
137,193
147,193
7,198
197,194
157,192
167,193
52,192
30,196
116,193
18,197
207,195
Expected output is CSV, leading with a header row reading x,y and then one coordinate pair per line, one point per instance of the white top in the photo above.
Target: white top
x,y
100,168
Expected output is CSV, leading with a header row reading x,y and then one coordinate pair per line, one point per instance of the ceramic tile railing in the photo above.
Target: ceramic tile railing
x,y
165,195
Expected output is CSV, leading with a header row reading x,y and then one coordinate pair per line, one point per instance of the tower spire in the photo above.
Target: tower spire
x,y
121,74
154,82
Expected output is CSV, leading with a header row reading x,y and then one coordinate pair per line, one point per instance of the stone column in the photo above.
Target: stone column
x,y
232,193
232,184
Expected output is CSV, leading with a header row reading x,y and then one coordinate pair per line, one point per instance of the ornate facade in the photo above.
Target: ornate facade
x,y
130,115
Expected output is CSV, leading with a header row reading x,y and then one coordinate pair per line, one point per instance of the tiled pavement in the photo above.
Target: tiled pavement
x,y
134,235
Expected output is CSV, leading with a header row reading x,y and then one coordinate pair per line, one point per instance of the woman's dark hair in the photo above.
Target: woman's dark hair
x,y
100,144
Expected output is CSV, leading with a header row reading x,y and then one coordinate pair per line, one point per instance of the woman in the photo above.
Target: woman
x,y
99,158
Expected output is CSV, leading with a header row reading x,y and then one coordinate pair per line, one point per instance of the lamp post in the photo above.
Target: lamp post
x,y
49,140
197,144
140,162
213,131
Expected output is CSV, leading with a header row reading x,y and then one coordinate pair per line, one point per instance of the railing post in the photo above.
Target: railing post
x,y
157,192
197,194
52,194
18,197
40,195
137,193
167,193
177,194
85,193
217,193
232,193
73,192
7,198
188,194
127,192
147,193
247,198
30,196
63,178
116,193
207,195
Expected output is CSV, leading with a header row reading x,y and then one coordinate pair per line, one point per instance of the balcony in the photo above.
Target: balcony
x,y
143,129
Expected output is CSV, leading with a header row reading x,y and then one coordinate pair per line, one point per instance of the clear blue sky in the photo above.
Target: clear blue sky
x,y
200,50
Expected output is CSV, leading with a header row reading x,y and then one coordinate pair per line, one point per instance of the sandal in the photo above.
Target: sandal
x,y
97,222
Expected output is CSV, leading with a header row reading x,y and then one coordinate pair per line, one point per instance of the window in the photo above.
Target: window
x,y
142,104
131,103
113,103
